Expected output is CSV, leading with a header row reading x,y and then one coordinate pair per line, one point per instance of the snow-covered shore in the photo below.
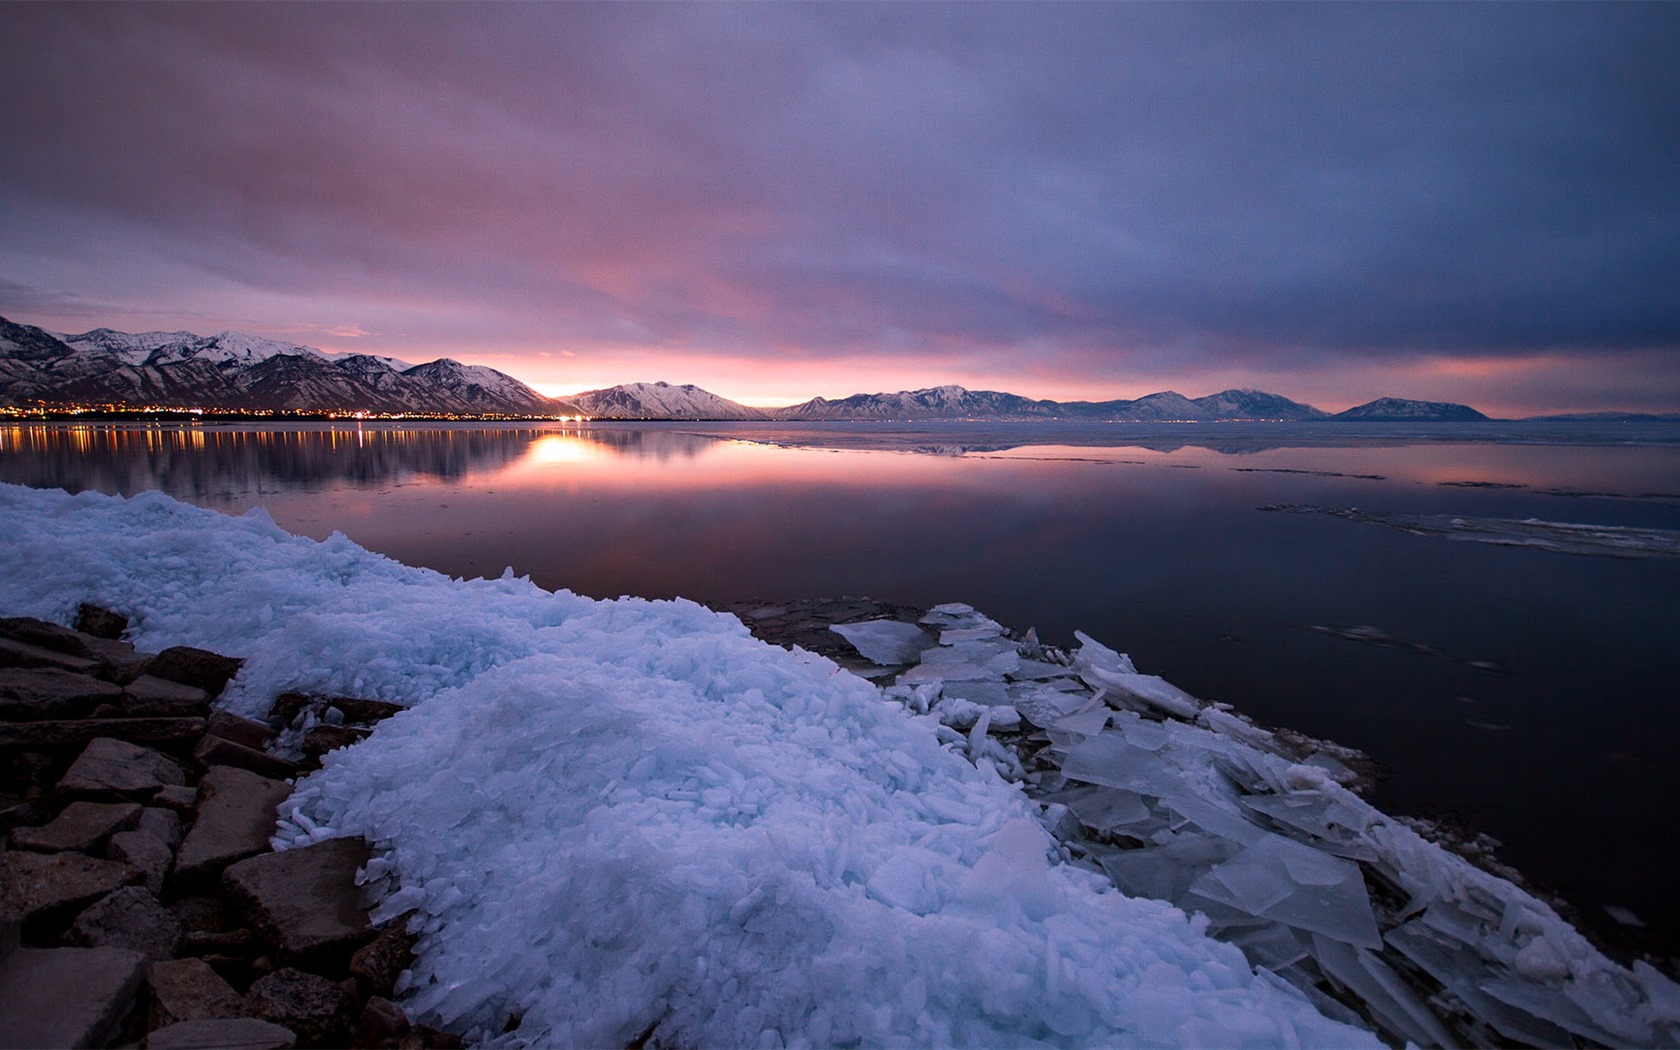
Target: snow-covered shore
x,y
617,816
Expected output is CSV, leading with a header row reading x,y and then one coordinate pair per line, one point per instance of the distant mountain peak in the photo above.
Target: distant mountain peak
x,y
660,400
1406,410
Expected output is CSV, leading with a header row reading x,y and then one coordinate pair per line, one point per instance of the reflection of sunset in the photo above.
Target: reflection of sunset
x,y
564,448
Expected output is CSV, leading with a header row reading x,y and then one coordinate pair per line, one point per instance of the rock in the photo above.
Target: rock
x,y
164,823
66,997
22,654
45,634
37,693
200,913
145,853
176,798
38,887
240,943
83,827
215,751
30,775
153,732
209,671
378,965
109,767
382,1023
235,818
240,730
189,990
311,1006
100,622
119,662
287,707
129,918
321,739
27,812
231,1033
149,696
304,902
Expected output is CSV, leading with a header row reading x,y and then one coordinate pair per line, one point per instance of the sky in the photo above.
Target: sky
x,y
1464,202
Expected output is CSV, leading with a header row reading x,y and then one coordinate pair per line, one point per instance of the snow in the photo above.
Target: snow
x,y
611,816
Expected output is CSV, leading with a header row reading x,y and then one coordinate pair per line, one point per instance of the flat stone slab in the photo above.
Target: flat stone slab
x,y
145,853
119,662
149,696
189,990
112,767
36,693
305,902
317,1009
208,671
218,751
66,997
82,827
153,732
36,885
129,918
239,1033
244,731
236,815
21,654
43,633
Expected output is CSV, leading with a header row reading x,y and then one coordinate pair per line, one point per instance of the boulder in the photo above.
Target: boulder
x,y
36,693
217,751
177,799
208,671
145,853
321,739
164,823
244,731
305,902
235,818
153,732
45,634
100,622
288,706
37,887
189,990
317,1009
119,662
66,997
377,965
382,1023
109,767
129,918
228,1033
22,654
83,827
149,696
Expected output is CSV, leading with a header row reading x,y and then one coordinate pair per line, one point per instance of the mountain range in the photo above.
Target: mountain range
x,y
232,371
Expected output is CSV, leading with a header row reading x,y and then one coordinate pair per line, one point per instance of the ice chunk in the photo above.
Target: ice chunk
x,y
952,635
1394,1005
1460,969
979,691
945,672
1543,1001
1147,689
1325,894
1107,759
885,642
1213,817
1088,722
1036,671
1107,808
1044,706
1094,654
1271,946
1165,872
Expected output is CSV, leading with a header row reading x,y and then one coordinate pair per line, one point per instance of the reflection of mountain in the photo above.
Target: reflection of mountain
x,y
207,463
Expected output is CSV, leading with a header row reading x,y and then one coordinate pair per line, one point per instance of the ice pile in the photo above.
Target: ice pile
x,y
1190,803
617,818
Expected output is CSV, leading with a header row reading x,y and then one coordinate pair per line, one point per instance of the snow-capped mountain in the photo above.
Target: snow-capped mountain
x,y
1256,404
232,370
1402,410
940,402
660,401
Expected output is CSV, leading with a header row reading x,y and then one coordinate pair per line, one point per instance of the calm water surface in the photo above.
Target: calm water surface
x,y
1526,693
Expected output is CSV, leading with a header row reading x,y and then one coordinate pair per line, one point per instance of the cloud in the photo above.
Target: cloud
x,y
1106,190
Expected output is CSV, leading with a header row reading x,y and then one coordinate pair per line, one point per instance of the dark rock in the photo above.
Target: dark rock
x,y
22,654
216,751
149,696
305,901
23,812
189,990
129,918
312,1006
200,913
164,823
378,965
36,693
228,1033
44,634
100,622
235,818
321,739
32,774
153,732
69,997
382,1023
83,827
108,768
240,730
288,706
145,853
119,662
209,671
39,887
240,943
176,798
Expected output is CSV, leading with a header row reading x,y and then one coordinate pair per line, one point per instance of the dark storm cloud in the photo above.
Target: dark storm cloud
x,y
1256,184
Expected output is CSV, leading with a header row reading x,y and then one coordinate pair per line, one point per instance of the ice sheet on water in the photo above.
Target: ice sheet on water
x,y
624,814
885,642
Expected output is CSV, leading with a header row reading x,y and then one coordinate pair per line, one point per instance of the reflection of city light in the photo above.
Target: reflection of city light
x,y
563,448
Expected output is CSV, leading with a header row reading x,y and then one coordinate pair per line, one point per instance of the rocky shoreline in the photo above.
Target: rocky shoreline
x,y
140,901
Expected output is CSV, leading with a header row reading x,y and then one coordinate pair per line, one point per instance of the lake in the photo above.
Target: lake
x,y
1406,590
